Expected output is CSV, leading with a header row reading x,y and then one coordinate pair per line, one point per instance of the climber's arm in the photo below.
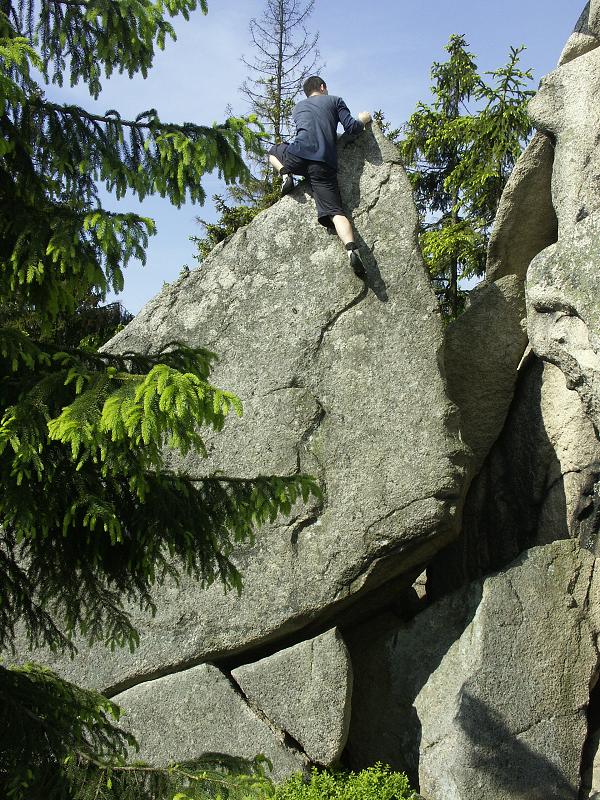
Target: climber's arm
x,y
349,124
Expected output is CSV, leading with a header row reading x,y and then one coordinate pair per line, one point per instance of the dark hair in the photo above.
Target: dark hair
x,y
313,84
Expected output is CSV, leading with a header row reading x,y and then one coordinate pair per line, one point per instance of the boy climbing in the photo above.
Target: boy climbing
x,y
313,154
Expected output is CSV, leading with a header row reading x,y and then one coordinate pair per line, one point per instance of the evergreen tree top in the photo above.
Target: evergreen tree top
x,y
55,156
459,150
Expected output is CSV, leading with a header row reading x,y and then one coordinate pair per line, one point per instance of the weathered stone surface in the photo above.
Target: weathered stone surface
x,y
503,715
180,717
582,25
567,107
339,379
585,35
578,44
590,777
482,350
589,19
563,287
482,694
498,702
306,690
594,17
525,222
536,485
391,661
576,466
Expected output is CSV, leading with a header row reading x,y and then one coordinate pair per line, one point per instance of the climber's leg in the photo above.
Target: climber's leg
x,y
275,162
326,192
284,166
343,228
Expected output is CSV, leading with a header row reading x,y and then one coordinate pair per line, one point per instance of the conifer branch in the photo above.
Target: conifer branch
x,y
82,3
92,520
114,119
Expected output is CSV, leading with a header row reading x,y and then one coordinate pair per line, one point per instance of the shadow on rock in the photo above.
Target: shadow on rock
x,y
392,662
369,151
516,501
515,768
373,280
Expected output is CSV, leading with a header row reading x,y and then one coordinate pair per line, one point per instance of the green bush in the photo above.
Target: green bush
x,y
375,783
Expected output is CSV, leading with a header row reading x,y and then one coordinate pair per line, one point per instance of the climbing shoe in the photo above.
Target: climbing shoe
x,y
287,185
356,263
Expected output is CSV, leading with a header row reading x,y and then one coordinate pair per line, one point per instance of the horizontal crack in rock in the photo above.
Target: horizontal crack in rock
x,y
441,496
539,720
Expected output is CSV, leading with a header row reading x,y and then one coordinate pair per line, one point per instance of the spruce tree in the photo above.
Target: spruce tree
x,y
285,53
90,518
459,151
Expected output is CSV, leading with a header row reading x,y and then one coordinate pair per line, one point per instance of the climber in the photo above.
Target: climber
x,y
313,154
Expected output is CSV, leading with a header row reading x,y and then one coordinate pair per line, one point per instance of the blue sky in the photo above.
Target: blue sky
x,y
377,55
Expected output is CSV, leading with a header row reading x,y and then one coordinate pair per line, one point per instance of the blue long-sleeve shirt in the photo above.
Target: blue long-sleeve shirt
x,y
316,120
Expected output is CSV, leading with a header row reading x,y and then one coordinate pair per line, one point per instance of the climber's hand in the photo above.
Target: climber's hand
x,y
365,117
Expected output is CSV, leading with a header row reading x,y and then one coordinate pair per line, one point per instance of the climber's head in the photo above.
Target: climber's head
x,y
314,85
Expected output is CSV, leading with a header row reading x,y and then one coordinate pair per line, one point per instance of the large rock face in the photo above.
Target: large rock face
x,y
525,221
482,351
503,715
535,486
586,35
339,379
392,661
566,107
489,692
484,346
468,459
485,692
306,690
292,707
182,716
563,287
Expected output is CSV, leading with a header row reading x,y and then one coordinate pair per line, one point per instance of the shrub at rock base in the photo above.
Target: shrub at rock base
x,y
374,783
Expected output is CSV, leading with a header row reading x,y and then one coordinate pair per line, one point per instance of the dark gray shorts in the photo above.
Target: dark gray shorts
x,y
323,180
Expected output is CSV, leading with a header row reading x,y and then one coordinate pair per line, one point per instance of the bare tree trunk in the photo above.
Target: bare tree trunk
x,y
284,55
279,77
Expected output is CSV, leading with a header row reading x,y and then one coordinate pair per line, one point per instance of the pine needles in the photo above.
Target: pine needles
x,y
91,518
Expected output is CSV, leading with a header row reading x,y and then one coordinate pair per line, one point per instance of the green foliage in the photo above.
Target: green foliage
x,y
459,158
375,783
60,742
101,35
90,326
48,723
58,245
91,517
